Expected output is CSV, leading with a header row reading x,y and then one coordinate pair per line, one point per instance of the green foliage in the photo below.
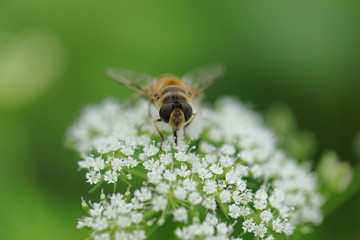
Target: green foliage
x,y
299,144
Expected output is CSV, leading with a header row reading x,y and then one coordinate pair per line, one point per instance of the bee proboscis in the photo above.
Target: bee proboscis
x,y
172,95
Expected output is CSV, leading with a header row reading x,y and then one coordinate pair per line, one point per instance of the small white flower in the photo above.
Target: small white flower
x,y
127,150
180,215
245,211
80,224
150,150
143,194
260,230
277,197
278,226
231,177
234,211
226,161
242,170
225,196
216,168
151,165
204,173
123,221
163,188
98,164
261,194
228,149
248,225
154,177
102,236
246,197
159,203
266,216
222,228
205,229
183,171
87,163
180,193
136,217
257,170
211,219
247,156
195,198
170,175
116,164
210,203
206,147
241,185
93,177
211,158
130,162
181,156
260,204
242,197
210,187
100,224
288,229
166,159
189,185
111,176
138,235
96,209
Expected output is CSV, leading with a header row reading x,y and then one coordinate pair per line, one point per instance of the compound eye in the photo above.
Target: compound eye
x,y
165,112
187,109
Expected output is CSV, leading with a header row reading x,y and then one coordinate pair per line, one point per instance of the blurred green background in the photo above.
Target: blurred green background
x,y
53,53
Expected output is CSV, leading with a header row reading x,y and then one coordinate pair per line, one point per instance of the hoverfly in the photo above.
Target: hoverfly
x,y
171,95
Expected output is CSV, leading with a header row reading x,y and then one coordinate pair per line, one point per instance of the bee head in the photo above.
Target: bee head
x,y
175,114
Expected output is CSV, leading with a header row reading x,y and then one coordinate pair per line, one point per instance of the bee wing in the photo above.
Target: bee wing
x,y
139,82
201,78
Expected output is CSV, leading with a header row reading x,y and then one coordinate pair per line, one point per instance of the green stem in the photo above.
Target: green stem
x,y
124,178
96,186
222,206
138,173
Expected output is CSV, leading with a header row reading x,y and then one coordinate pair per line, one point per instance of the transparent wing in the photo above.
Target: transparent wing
x,y
201,78
139,82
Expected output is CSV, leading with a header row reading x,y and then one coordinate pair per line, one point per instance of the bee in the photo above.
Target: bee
x,y
173,96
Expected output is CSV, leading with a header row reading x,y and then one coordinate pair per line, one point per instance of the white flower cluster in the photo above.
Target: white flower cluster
x,y
227,180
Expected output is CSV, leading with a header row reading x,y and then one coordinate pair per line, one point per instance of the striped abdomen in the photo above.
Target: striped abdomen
x,y
172,93
169,89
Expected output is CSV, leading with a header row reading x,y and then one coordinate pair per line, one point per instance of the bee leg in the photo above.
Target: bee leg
x,y
159,132
188,123
175,137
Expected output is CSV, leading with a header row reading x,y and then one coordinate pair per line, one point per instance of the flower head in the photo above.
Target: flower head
x,y
228,175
